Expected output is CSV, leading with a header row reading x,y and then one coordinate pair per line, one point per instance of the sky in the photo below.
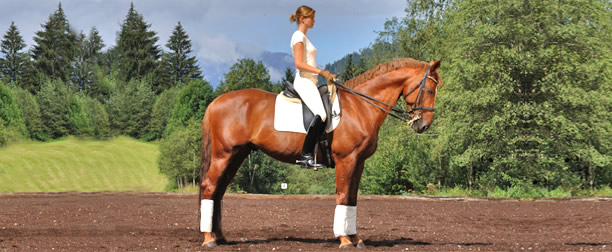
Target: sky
x,y
221,31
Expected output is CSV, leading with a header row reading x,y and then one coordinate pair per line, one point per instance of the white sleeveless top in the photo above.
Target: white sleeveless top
x,y
310,52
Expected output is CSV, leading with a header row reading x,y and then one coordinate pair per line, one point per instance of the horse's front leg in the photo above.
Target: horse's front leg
x,y
348,175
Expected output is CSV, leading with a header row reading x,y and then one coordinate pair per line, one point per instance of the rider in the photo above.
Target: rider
x,y
305,82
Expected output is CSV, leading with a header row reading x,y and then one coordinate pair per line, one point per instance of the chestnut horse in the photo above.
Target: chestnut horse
x,y
238,122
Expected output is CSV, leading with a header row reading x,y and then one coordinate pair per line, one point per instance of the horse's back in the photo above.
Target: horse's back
x,y
243,95
239,114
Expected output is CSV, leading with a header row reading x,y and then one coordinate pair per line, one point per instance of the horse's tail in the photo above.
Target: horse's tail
x,y
205,157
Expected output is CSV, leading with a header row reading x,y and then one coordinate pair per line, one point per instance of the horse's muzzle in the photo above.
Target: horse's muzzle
x,y
420,126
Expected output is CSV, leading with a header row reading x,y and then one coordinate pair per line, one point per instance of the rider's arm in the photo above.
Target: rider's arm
x,y
298,56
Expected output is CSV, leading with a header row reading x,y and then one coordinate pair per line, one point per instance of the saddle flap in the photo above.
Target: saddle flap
x,y
289,115
290,91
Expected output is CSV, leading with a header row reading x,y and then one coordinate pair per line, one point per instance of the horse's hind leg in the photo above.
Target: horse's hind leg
x,y
218,177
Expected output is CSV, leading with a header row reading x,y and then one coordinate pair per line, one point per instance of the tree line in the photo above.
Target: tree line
x,y
67,85
525,103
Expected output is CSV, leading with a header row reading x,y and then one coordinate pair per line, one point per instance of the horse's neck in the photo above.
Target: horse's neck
x,y
384,88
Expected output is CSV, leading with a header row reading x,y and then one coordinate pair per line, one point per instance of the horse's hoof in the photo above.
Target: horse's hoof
x,y
345,246
360,244
209,244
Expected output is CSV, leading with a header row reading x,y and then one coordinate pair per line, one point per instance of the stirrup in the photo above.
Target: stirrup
x,y
309,162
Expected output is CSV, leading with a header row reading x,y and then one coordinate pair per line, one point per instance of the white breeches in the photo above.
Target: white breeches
x,y
310,95
345,220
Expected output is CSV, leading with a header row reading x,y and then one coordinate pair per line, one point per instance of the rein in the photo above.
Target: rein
x,y
418,102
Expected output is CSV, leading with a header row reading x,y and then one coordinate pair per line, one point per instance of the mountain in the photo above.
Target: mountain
x,y
337,67
275,62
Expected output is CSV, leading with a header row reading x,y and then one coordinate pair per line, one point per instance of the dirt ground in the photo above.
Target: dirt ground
x,y
168,222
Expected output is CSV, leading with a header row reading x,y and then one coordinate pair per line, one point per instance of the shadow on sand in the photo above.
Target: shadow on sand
x,y
370,243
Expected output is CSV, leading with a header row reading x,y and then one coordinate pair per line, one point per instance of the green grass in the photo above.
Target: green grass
x,y
71,164
515,192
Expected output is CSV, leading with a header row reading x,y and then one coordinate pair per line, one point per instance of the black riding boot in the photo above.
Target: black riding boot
x,y
317,126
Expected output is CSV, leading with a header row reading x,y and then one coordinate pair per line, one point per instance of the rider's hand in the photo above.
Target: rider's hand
x,y
328,76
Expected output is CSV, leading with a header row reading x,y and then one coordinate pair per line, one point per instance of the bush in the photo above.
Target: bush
x,y
98,117
54,99
307,181
401,164
179,157
6,135
10,113
162,109
260,173
191,103
130,107
79,121
101,87
30,110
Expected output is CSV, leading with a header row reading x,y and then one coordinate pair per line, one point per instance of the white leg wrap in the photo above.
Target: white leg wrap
x,y
345,220
206,214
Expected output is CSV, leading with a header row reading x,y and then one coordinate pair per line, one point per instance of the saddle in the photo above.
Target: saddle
x,y
328,95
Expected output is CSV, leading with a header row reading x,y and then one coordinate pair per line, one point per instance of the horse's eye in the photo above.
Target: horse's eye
x,y
430,91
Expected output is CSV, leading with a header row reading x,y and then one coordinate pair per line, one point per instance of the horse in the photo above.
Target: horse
x,y
241,121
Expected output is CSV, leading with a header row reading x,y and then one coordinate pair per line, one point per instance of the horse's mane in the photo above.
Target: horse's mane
x,y
384,68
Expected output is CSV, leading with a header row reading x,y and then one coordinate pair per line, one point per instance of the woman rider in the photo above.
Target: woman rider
x,y
305,82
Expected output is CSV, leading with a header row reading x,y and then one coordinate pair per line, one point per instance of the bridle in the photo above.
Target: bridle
x,y
416,108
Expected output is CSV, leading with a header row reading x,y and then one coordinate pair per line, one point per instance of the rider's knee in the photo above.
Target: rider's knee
x,y
323,117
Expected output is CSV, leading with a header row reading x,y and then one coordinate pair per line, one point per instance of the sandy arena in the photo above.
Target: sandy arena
x,y
168,222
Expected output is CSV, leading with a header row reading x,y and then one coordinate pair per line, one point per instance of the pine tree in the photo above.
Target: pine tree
x,y
349,70
361,67
54,99
110,60
289,76
130,108
30,110
80,74
87,57
136,47
55,47
32,78
94,45
12,65
181,66
162,76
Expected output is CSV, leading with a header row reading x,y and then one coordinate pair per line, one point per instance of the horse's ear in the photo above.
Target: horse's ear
x,y
434,66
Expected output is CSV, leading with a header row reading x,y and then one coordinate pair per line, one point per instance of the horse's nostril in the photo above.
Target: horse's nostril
x,y
424,128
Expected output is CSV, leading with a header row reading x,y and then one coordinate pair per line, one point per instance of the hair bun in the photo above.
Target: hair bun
x,y
292,18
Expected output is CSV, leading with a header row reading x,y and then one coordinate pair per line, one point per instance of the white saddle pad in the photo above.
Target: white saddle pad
x,y
288,116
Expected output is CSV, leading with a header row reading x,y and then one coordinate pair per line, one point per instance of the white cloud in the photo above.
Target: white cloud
x,y
221,31
275,74
216,48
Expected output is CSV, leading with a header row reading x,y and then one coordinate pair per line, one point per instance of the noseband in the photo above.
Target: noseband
x,y
417,107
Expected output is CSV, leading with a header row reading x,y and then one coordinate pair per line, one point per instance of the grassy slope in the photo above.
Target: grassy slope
x,y
120,164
